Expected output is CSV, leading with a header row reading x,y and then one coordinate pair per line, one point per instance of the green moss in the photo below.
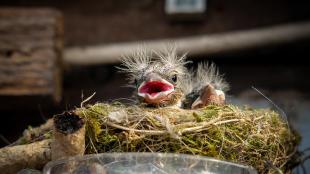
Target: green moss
x,y
23,141
188,139
242,135
198,117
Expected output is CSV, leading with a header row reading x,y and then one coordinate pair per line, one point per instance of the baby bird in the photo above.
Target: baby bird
x,y
207,87
161,79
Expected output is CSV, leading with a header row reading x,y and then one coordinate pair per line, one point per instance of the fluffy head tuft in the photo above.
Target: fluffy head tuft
x,y
136,64
170,60
207,73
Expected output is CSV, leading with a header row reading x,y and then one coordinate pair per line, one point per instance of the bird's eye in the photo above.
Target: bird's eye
x,y
174,78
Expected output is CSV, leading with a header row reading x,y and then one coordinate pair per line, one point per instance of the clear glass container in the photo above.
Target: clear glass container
x,y
145,163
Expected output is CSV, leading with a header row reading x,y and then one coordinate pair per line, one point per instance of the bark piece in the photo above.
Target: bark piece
x,y
34,155
35,134
68,140
69,136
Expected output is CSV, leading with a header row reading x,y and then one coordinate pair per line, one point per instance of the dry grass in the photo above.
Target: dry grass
x,y
256,137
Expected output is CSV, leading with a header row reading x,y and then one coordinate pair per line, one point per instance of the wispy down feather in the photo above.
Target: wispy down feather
x,y
207,73
136,63
170,60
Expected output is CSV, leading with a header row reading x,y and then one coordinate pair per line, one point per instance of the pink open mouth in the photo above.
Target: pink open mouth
x,y
155,91
155,87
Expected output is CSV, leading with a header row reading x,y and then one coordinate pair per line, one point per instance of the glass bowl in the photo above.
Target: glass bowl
x,y
144,163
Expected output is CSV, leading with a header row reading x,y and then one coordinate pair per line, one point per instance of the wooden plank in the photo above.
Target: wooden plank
x,y
31,42
195,45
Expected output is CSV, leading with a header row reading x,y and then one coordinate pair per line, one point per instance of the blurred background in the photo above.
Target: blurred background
x,y
54,53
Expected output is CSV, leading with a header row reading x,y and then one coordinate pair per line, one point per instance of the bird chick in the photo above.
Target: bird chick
x,y
158,82
161,79
207,87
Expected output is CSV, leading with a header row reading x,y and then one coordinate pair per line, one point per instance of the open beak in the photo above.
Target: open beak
x,y
155,91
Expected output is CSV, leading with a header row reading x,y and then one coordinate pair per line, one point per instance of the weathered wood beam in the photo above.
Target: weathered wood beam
x,y
31,42
196,45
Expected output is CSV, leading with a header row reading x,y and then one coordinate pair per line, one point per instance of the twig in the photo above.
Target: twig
x,y
212,122
161,132
149,132
4,139
86,100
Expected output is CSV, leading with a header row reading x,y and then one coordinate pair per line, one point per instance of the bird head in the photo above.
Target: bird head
x,y
158,77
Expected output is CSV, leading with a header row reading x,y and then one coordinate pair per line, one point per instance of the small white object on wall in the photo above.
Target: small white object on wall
x,y
185,6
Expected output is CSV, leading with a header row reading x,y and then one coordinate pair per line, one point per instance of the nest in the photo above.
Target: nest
x,y
255,137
